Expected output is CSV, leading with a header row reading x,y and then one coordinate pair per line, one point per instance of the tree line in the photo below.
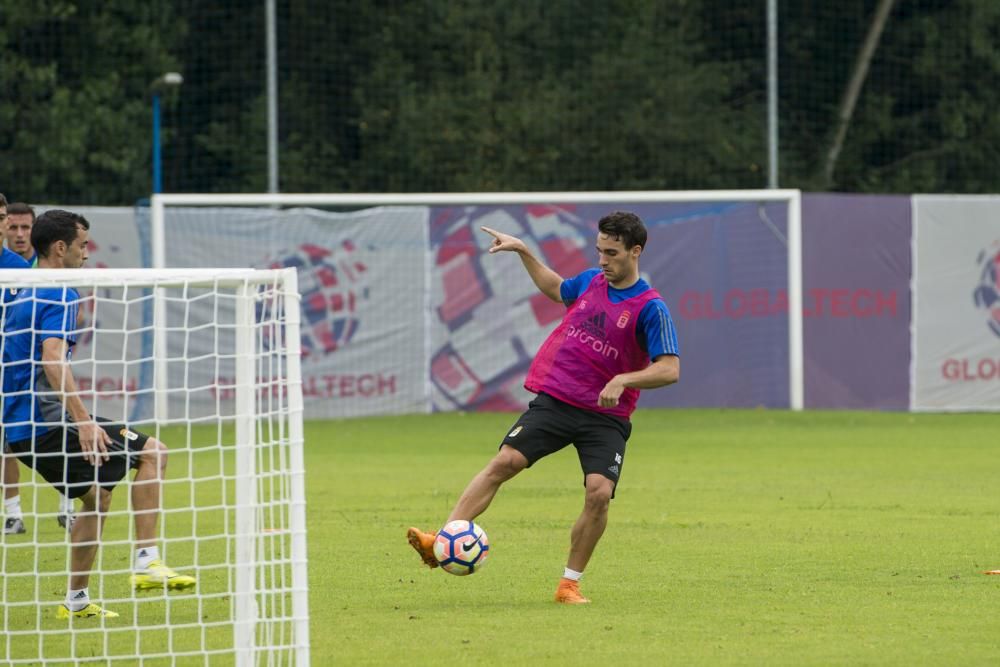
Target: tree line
x,y
452,96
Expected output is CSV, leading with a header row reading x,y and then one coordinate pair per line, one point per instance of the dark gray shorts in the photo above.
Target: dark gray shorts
x,y
549,425
58,458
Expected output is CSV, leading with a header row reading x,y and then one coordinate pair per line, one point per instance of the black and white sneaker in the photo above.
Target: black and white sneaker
x,y
14,527
66,521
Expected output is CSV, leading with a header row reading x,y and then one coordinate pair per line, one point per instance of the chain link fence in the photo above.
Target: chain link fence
x,y
464,96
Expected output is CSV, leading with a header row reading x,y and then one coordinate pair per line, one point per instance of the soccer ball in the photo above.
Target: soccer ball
x,y
461,547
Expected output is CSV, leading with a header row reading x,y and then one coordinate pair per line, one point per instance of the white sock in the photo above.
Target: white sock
x,y
146,555
66,505
572,574
12,507
77,599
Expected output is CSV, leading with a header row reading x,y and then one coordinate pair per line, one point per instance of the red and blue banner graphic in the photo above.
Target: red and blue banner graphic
x,y
488,317
363,284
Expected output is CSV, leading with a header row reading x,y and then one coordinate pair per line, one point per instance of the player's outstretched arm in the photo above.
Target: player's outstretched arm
x,y
546,280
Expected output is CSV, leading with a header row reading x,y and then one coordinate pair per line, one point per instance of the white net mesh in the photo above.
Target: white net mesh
x,y
225,399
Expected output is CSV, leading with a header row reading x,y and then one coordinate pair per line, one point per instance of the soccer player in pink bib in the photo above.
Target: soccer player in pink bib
x,y
615,339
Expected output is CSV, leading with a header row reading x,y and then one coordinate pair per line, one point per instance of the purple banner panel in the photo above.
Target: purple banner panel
x,y
856,301
722,269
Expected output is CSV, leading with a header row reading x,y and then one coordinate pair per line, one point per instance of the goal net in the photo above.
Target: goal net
x,y
207,362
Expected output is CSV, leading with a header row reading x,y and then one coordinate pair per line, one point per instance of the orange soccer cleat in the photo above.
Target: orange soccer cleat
x,y
569,592
424,545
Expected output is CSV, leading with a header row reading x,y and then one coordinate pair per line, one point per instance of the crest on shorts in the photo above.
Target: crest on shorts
x,y
129,435
514,433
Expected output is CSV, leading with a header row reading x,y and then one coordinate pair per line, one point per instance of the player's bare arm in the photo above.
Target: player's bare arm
x,y
665,369
546,280
93,440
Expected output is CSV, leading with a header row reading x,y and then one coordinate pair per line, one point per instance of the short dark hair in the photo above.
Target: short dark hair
x,y
625,227
3,200
20,208
56,225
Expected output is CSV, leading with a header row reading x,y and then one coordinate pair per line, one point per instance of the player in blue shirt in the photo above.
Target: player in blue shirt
x,y
49,429
20,218
13,517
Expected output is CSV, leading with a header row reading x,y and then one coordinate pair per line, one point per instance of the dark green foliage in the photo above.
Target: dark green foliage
x,y
75,121
471,96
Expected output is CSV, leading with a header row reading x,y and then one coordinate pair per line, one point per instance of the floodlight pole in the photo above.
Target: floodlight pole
x,y
156,89
772,93
272,97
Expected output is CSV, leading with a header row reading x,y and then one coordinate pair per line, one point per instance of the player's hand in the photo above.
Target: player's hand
x,y
611,393
503,241
94,442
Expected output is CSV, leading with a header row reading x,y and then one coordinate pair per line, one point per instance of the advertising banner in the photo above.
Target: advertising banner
x,y
362,280
856,301
956,318
721,269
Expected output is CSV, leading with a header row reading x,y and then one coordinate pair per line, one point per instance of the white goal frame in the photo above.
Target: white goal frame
x,y
791,198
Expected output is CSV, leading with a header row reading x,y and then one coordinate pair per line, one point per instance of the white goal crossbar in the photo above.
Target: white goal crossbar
x,y
792,199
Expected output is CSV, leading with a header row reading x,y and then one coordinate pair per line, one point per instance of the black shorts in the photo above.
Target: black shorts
x,y
58,457
549,425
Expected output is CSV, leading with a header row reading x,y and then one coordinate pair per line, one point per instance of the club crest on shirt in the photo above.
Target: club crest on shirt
x,y
623,319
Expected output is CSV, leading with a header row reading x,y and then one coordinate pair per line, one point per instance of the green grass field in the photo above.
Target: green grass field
x,y
737,537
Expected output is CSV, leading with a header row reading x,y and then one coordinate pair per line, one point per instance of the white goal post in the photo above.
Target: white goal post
x,y
791,198
232,504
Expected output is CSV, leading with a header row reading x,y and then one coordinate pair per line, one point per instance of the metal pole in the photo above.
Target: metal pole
x,y
296,467
796,344
772,93
245,514
157,171
272,99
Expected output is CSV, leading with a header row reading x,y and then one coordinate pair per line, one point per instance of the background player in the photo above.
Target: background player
x,y
19,221
13,515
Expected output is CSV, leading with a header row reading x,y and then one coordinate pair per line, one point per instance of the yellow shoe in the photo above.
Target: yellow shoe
x,y
158,576
90,610
569,592
424,544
